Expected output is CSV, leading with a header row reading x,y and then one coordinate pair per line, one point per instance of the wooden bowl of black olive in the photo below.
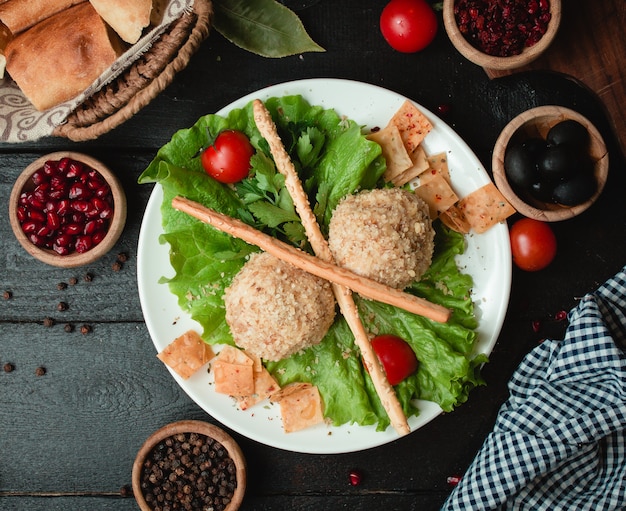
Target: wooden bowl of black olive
x,y
189,465
551,163
501,35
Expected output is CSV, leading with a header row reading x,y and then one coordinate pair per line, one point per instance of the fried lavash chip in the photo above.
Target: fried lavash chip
x,y
186,354
300,406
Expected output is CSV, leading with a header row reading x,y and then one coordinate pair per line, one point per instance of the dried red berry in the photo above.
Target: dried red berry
x,y
453,480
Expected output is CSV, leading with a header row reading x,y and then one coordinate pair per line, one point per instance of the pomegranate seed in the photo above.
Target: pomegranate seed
x,y
83,244
37,240
103,191
53,221
561,316
74,170
64,207
64,240
21,214
63,163
72,229
39,177
81,206
37,215
30,227
98,237
93,226
453,480
355,477
106,213
536,325
79,191
44,231
50,168
60,250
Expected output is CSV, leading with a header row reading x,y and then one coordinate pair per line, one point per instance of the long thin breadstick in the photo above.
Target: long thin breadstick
x,y
385,391
366,287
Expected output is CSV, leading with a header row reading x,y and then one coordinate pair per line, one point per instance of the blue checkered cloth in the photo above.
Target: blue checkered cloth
x,y
559,441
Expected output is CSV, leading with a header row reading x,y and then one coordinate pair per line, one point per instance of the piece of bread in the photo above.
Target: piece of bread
x,y
127,17
60,57
19,15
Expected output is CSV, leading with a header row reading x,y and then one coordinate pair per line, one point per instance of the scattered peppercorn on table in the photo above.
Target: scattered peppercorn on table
x,y
81,387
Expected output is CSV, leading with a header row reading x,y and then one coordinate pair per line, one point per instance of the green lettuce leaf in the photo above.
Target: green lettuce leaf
x,y
334,159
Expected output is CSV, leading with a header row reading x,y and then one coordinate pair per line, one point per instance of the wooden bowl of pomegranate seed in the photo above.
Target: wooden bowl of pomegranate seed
x,y
501,35
189,464
67,209
551,163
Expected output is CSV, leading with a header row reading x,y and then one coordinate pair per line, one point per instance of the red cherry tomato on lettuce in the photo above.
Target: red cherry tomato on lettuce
x,y
408,25
533,244
227,159
396,356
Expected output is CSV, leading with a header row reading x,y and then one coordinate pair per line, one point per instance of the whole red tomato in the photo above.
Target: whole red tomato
x,y
396,356
227,158
408,25
533,244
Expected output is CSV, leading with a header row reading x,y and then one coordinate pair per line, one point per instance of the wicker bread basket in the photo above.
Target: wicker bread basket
x,y
150,74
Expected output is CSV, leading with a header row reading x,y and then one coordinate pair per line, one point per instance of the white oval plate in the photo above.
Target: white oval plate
x,y
487,259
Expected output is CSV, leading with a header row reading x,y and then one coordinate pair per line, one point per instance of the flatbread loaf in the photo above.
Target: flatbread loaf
x,y
19,15
127,17
51,70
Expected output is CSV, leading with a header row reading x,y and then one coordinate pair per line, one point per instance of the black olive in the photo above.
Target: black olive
x,y
534,146
542,191
568,132
561,162
520,166
576,190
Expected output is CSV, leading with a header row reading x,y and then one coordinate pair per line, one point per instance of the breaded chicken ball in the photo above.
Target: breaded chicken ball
x,y
383,234
275,309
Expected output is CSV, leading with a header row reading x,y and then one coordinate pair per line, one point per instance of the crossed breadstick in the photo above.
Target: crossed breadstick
x,y
318,242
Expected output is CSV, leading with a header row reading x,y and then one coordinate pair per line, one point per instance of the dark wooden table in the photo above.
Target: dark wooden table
x,y
68,438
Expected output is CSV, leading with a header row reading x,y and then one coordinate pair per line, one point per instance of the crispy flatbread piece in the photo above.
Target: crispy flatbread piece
x,y
127,17
186,354
485,207
300,406
51,70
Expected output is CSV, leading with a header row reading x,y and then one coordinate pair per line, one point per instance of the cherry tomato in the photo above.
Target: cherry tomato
x,y
396,356
533,244
408,25
227,159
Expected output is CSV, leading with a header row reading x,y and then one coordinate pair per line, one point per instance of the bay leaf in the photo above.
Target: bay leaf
x,y
263,27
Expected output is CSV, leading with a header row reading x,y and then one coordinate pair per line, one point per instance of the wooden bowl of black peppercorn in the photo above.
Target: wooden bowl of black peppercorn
x,y
550,163
189,465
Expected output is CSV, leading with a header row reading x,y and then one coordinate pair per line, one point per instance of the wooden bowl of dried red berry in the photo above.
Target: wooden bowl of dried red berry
x,y
67,209
501,35
189,465
551,163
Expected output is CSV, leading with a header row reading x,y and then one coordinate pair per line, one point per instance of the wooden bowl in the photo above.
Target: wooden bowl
x,y
484,60
191,426
536,122
74,259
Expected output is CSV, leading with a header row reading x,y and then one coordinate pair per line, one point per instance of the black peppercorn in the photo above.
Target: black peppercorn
x,y
48,322
116,266
7,295
88,277
73,281
85,329
8,367
40,371
122,257
61,286
62,306
68,327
